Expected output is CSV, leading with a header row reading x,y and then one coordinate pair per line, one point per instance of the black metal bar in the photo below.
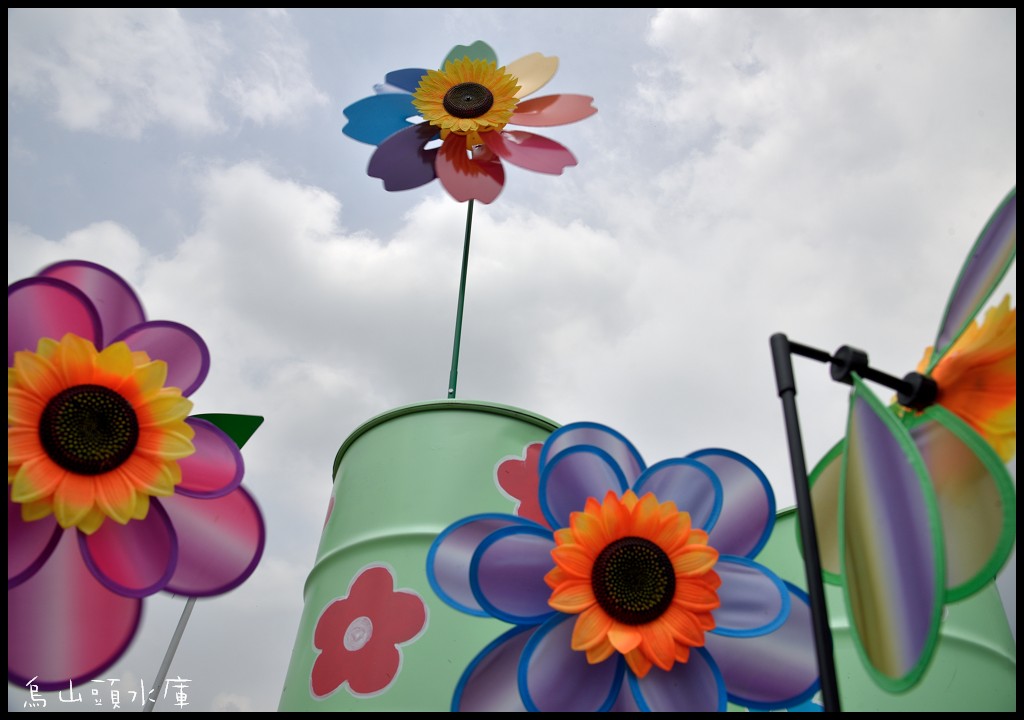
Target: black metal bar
x,y
784,378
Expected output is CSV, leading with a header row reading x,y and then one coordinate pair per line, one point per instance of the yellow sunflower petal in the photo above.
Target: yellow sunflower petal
x,y
36,480
91,522
32,511
36,374
165,408
73,499
75,358
116,359
115,496
166,444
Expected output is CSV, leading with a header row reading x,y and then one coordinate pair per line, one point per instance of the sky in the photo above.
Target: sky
x,y
819,173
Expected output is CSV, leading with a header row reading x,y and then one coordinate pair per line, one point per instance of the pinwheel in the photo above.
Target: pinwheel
x,y
638,591
114,491
914,507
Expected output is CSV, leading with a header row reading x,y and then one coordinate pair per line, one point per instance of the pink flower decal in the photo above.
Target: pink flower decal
x,y
519,478
357,637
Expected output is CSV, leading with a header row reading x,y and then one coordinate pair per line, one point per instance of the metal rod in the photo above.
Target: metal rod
x,y
454,374
171,649
781,356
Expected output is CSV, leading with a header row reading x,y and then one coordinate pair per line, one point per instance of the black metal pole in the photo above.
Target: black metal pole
x,y
784,378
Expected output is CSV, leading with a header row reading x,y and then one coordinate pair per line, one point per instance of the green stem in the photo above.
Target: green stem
x,y
454,374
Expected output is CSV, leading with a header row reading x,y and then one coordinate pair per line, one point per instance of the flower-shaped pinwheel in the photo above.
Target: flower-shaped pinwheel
x,y
114,493
467,104
915,508
639,592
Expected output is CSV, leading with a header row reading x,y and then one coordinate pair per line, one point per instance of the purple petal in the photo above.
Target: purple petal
x,y
63,625
574,475
136,559
44,307
29,544
402,160
220,542
451,553
489,683
215,468
748,503
375,118
553,110
530,151
507,574
693,686
691,485
600,436
555,678
115,301
775,670
754,599
186,355
824,481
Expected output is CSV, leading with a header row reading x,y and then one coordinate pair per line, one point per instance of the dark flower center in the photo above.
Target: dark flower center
x,y
89,429
633,580
468,100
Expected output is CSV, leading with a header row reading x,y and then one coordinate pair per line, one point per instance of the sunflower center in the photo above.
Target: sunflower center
x,y
468,100
89,429
633,580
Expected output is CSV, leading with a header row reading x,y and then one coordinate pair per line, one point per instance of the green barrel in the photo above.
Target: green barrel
x,y
373,635
974,668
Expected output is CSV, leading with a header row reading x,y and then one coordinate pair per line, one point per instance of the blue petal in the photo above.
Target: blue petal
x,y
691,485
754,600
507,573
407,79
375,118
572,476
694,686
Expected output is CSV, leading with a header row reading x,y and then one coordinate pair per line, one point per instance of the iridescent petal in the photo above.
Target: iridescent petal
x,y
29,544
216,468
63,625
748,504
754,599
478,178
507,571
136,559
402,161
186,354
553,110
625,455
572,476
377,117
890,538
530,151
489,682
691,485
694,686
451,553
115,301
775,670
220,542
46,307
824,480
555,678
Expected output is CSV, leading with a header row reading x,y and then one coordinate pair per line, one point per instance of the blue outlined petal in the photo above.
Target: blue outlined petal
x,y
507,572
691,485
754,599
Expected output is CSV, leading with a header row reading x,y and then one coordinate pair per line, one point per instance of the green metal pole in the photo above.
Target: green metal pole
x,y
454,374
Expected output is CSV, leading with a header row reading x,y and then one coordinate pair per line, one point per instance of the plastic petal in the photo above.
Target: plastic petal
x,y
691,485
530,151
553,110
45,307
480,177
117,304
889,539
451,553
407,79
136,559
600,436
402,160
532,72
572,476
754,600
478,50
748,504
507,574
220,542
824,480
555,678
186,354
775,670
694,686
988,261
216,468
976,499
377,117
489,682
63,625
29,544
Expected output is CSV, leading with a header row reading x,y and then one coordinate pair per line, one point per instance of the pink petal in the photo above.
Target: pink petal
x,y
136,559
216,467
29,544
43,307
478,178
530,151
118,306
220,542
186,355
63,625
553,110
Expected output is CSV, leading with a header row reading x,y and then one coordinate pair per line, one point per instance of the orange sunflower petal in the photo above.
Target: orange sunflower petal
x,y
600,652
574,560
36,479
73,499
23,445
694,560
591,629
658,644
639,663
35,374
624,637
116,496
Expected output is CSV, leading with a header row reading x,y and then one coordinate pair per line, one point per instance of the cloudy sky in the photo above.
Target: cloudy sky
x,y
817,173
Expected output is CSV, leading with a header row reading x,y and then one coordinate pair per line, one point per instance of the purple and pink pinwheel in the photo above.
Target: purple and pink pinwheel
x,y
115,492
638,590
